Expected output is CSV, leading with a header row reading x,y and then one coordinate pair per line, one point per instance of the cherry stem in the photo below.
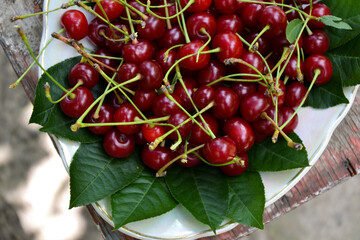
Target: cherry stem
x,y
236,160
112,39
97,111
230,79
15,18
266,28
203,30
160,172
183,23
135,10
238,60
168,22
170,17
132,30
69,93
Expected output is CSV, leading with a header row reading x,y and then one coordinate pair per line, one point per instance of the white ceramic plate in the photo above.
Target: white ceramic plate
x,y
315,129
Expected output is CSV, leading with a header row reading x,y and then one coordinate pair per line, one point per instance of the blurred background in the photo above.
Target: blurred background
x,y
34,188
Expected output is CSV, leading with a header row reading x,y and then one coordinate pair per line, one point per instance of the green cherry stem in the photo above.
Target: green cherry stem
x,y
168,22
238,60
132,30
235,160
251,49
135,10
69,93
170,17
183,23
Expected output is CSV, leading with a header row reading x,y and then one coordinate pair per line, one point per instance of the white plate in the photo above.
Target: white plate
x,y
315,129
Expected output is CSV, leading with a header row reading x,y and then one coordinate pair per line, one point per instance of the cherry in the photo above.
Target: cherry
x,y
154,28
220,150
249,14
126,72
264,126
152,74
213,71
287,112
177,119
75,107
291,69
139,139
236,169
226,103
152,132
225,6
172,37
117,144
280,42
273,17
292,14
281,95
114,100
144,98
171,11
316,43
106,115
191,159
318,62
255,60
190,84
138,51
229,23
107,61
240,132
96,30
138,6
127,113
166,62
112,9
75,24
199,22
319,10
242,89
253,105
198,136
197,6
192,48
157,158
112,33
163,106
203,96
295,93
84,72
262,44
230,45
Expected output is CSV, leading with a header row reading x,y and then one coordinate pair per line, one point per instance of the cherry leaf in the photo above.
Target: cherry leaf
x,y
293,30
335,22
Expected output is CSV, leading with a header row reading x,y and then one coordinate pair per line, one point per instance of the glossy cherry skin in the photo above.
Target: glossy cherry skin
x,y
275,18
138,52
229,23
106,115
162,106
75,24
235,169
144,98
213,71
220,150
113,100
127,113
203,96
291,69
191,159
75,107
317,43
171,11
96,30
197,6
264,126
166,62
253,105
190,84
281,98
249,14
230,45
240,132
126,72
287,112
172,37
84,72
112,9
117,144
242,89
262,43
295,93
318,61
318,10
152,132
154,28
157,158
198,136
112,33
226,103
177,119
255,60
110,62
152,74
192,48
225,6
198,22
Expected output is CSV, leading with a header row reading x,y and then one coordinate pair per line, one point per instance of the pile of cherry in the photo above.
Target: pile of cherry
x,y
195,80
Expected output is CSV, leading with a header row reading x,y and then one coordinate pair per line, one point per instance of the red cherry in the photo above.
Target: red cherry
x,y
213,71
152,75
230,45
84,72
126,72
112,33
75,24
192,48
241,133
242,89
264,126
197,6
190,84
107,61
255,60
144,98
177,119
287,112
96,30
225,6
253,105
295,93
166,62
154,28
226,103
112,9
198,136
137,52
127,113
220,150
319,10
263,44
199,22
172,37
162,106
157,158
318,62
275,18
106,115
117,144
152,132
317,43
281,98
249,14
291,69
235,169
229,23
191,159
203,96
75,107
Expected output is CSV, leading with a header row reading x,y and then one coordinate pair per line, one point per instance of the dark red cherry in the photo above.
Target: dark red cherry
x,y
138,51
171,11
176,119
255,60
213,71
106,115
253,105
191,159
127,113
138,6
226,103
197,6
292,68
287,112
172,37
166,62
203,96
152,74
154,28
112,9
281,94
264,126
275,18
139,139
220,150
115,100
75,107
316,43
230,45
242,89
144,98
291,15
190,84
117,144
322,63
236,169
126,72
262,44
162,106
97,30
112,33
198,136
104,52
192,48
157,158
199,22
319,10
229,23
241,132
75,24
151,132
249,14
84,72
295,93
225,6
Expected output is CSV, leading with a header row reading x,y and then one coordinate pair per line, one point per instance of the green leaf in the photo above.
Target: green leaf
x,y
42,106
335,22
94,175
267,156
247,199
144,198
202,190
293,30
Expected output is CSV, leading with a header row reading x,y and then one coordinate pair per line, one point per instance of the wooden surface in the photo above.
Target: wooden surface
x,y
340,160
